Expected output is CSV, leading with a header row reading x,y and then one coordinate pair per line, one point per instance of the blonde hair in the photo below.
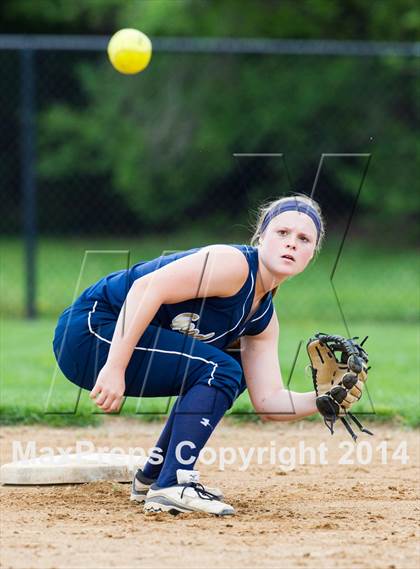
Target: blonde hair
x,y
267,207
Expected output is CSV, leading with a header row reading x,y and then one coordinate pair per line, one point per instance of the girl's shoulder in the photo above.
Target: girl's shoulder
x,y
233,257
236,263
218,258
231,251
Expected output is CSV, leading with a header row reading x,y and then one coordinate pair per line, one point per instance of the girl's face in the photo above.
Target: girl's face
x,y
288,244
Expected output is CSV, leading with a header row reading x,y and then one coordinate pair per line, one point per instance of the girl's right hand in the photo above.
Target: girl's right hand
x,y
109,388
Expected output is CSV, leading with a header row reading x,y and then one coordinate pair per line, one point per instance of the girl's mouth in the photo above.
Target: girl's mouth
x,y
289,257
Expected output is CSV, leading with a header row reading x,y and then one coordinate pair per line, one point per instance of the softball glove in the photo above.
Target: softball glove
x,y
339,372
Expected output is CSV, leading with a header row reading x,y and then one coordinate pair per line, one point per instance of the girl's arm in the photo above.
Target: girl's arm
x,y
218,270
263,377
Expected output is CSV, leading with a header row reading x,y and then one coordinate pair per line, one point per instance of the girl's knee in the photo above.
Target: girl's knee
x,y
228,377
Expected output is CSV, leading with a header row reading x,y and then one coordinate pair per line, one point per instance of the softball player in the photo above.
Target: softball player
x,y
164,328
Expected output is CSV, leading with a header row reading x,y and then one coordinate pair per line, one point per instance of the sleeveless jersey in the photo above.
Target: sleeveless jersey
x,y
214,320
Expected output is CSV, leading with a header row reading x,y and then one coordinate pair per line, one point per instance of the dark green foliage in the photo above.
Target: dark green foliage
x,y
394,20
157,149
164,140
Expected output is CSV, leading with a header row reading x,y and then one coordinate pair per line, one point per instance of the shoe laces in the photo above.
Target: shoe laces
x,y
200,490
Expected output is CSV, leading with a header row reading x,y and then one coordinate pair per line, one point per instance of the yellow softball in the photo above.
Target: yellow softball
x,y
129,51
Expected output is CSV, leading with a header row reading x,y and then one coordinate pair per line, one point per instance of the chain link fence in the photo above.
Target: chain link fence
x,y
182,154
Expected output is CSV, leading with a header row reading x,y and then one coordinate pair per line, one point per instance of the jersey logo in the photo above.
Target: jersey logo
x,y
184,323
205,422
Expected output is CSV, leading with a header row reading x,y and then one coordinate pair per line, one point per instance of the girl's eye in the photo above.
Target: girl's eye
x,y
305,239
282,232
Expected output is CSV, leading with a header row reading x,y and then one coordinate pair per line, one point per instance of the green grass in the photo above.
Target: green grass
x,y
372,283
28,375
378,289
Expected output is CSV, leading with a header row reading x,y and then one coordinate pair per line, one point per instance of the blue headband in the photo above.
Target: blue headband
x,y
293,205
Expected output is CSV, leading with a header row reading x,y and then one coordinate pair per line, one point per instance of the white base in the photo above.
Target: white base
x,y
72,468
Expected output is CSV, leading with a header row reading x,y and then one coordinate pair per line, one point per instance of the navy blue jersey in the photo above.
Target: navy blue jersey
x,y
215,321
186,343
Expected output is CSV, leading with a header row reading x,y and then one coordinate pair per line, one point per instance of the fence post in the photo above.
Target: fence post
x,y
28,180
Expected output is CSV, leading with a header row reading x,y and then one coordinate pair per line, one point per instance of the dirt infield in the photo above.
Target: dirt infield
x,y
315,515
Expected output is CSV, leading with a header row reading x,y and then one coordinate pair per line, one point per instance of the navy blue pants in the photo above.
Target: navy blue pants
x,y
164,362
